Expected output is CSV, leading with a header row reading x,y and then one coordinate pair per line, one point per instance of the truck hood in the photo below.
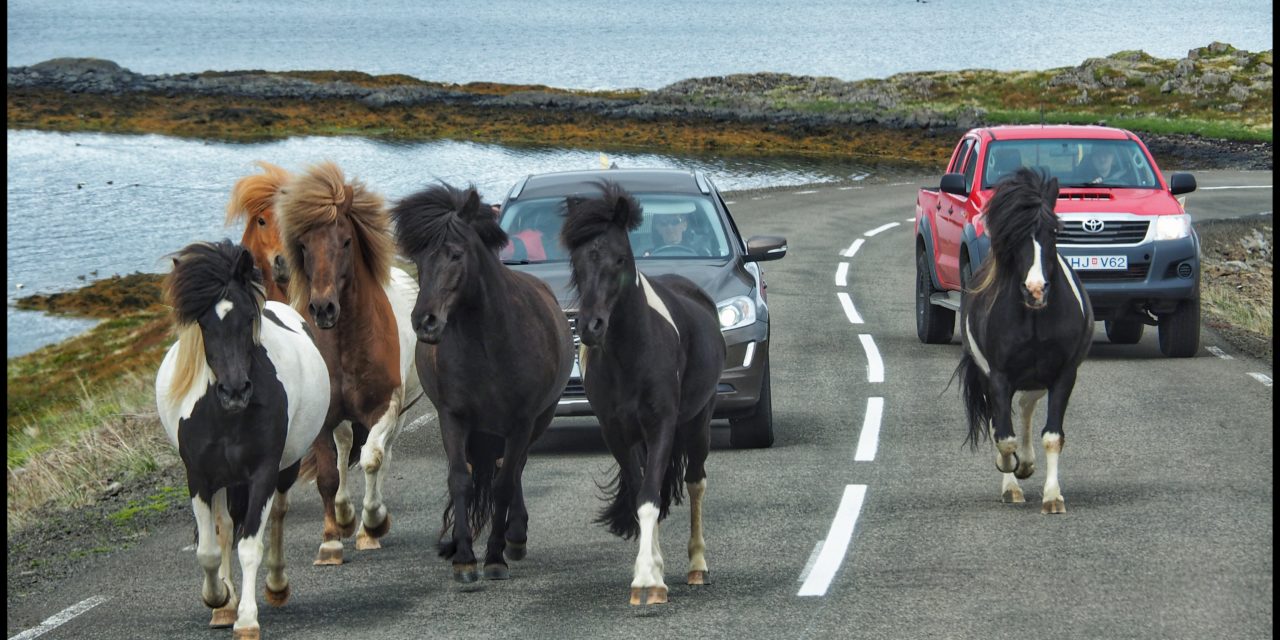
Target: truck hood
x,y
1143,202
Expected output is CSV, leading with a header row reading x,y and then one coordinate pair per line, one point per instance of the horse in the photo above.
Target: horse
x,y
241,395
1026,325
651,358
494,355
338,250
251,201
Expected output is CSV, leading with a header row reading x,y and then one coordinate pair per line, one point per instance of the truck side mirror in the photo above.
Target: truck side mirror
x,y
954,183
1181,183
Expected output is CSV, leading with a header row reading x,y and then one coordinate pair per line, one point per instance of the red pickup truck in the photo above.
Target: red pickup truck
x,y
1126,232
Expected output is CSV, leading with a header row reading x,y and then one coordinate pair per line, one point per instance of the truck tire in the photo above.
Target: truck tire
x,y
1180,330
756,430
1124,331
934,324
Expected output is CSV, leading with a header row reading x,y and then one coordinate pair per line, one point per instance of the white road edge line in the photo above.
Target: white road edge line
x,y
1219,352
804,193
1249,186
875,366
836,543
849,311
911,219
842,275
869,437
1261,377
853,248
62,617
880,228
808,565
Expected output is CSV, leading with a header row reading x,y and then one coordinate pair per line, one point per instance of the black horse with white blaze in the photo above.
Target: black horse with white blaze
x,y
1026,325
651,358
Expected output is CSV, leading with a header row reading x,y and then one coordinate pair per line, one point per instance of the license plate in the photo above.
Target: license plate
x,y
1098,263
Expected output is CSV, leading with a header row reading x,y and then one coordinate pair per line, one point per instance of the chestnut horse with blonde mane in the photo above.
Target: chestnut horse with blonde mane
x,y
338,250
252,201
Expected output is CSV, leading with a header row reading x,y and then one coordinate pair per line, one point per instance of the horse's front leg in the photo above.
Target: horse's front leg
x,y
648,574
459,548
1054,438
1002,423
343,511
225,615
375,457
323,448
215,591
515,455
261,491
1011,491
695,476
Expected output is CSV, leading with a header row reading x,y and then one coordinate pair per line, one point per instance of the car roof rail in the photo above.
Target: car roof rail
x,y
515,190
703,185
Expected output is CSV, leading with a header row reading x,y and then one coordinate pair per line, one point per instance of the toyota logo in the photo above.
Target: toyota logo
x,y
1093,225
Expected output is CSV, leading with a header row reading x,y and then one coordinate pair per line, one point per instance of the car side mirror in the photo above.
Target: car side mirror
x,y
954,183
763,248
1180,183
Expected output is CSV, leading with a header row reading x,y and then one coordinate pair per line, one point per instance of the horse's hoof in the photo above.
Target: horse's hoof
x,y
246,633
1024,471
516,551
495,571
1057,505
657,595
366,542
223,618
699,577
637,595
465,573
278,598
378,531
330,554
1013,495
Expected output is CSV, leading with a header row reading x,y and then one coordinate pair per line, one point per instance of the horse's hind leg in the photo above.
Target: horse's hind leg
x,y
343,512
698,445
458,549
515,455
1053,501
375,457
517,534
277,589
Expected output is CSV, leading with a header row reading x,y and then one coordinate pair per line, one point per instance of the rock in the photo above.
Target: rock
x,y
112,489
1133,99
1232,107
1236,265
1212,79
1238,92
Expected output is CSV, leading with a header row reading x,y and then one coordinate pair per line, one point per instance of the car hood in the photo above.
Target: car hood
x,y
721,279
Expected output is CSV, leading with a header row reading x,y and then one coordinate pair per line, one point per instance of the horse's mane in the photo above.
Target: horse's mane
x,y
314,199
441,212
1022,203
254,194
589,217
202,275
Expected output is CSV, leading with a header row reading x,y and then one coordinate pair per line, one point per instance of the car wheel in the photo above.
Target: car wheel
x,y
1124,331
1180,330
934,324
756,430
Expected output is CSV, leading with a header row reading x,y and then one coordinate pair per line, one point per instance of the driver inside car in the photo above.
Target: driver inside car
x,y
671,236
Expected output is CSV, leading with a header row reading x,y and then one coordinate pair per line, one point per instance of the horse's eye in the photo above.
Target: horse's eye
x,y
621,260
262,222
346,243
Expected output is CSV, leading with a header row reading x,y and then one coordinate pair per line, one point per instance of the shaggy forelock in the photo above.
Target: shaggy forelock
x,y
1021,205
587,218
203,274
439,213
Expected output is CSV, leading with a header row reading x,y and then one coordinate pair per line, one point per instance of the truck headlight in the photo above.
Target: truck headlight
x,y
1173,227
736,312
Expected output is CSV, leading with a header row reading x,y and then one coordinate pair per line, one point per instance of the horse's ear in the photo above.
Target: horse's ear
x,y
472,206
1051,190
244,267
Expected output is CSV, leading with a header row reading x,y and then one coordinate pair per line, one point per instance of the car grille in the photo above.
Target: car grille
x,y
574,388
1135,273
1113,232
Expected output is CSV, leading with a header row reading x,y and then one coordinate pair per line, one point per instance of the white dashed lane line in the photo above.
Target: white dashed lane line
x,y
853,248
884,227
849,311
869,437
62,617
1261,377
875,366
842,275
836,544
1219,352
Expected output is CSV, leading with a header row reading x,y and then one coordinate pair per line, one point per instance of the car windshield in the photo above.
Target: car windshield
x,y
673,226
1074,162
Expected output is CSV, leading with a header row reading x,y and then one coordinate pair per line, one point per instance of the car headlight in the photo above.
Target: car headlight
x,y
1173,227
736,312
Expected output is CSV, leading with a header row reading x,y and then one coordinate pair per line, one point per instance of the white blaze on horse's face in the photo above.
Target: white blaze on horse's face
x,y
223,308
1035,280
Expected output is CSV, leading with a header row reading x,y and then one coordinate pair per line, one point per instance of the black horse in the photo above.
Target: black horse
x,y
494,354
651,359
1026,326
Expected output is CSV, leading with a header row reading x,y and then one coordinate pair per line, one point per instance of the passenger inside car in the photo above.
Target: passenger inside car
x,y
535,236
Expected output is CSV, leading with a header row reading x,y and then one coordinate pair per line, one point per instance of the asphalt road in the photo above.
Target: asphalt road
x,y
1167,473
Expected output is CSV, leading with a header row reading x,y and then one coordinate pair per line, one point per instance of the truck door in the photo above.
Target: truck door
x,y
951,217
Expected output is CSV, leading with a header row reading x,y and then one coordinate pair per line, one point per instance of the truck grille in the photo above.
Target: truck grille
x,y
1113,232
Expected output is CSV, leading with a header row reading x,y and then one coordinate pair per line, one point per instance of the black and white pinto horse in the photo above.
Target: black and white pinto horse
x,y
242,394
1026,326
651,358
494,354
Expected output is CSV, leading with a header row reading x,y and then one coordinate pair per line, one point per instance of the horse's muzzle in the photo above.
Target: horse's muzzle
x,y
325,314
1035,300
591,330
280,270
430,329
235,398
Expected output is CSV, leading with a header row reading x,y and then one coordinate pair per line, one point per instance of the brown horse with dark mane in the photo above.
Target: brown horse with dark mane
x,y
494,355
252,200
338,249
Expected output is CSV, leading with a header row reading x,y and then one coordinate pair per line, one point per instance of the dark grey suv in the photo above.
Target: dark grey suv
x,y
687,230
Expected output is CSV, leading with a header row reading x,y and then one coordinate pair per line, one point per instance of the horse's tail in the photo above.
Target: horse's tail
x,y
619,516
977,406
309,466
483,451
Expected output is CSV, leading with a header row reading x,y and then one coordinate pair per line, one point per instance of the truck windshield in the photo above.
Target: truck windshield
x,y
1074,162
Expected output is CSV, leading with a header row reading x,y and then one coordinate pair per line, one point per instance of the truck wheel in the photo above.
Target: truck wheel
x,y
756,430
1124,331
1180,330
934,324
